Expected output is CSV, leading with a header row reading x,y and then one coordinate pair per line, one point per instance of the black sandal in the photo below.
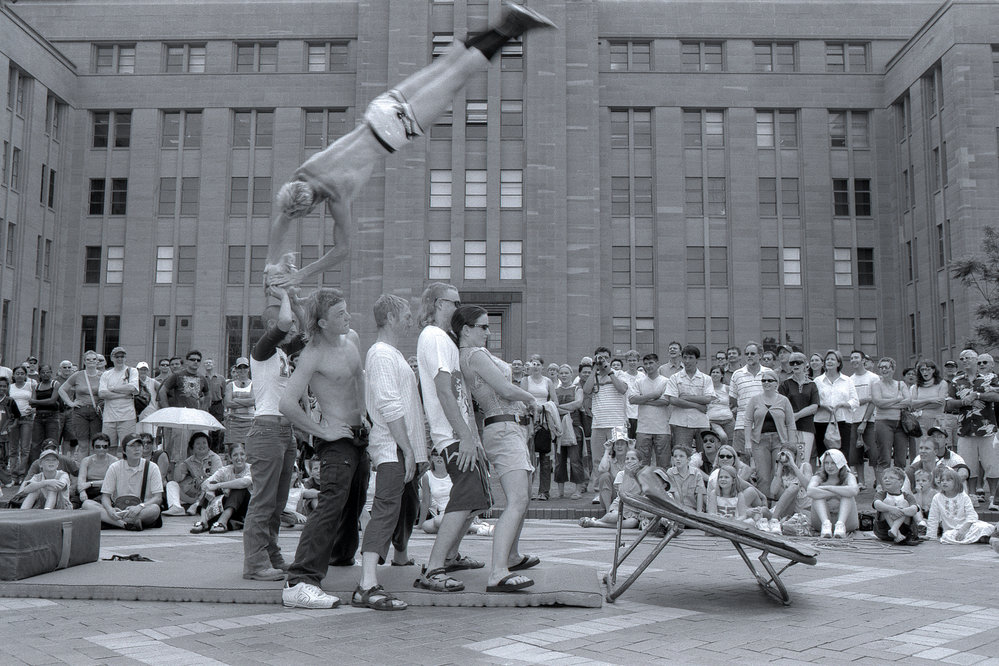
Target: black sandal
x,y
376,598
437,580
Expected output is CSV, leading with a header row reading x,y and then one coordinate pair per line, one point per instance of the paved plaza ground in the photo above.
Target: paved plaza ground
x,y
865,601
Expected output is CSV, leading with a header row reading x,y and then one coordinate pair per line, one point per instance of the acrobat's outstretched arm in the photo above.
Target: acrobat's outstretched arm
x,y
340,211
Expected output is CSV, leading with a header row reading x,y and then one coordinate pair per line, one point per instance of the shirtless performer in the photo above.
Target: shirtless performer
x,y
331,366
391,121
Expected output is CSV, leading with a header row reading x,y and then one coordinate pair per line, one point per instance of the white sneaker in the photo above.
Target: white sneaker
x,y
775,526
175,510
826,530
840,531
762,525
304,595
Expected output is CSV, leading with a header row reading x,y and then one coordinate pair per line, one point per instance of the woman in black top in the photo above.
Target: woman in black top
x,y
803,395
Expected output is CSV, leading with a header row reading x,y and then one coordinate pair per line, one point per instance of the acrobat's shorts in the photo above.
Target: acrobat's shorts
x,y
392,120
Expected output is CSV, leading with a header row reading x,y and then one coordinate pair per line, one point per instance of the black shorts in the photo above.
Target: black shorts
x,y
469,490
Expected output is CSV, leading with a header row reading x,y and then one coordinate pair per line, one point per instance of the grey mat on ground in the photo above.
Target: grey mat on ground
x,y
209,569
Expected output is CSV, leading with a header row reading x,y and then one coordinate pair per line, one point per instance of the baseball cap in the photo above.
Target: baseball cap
x,y
950,363
118,350
242,361
141,364
785,348
65,363
31,359
49,452
938,429
618,434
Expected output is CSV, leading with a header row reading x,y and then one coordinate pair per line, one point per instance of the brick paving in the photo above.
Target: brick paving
x,y
865,602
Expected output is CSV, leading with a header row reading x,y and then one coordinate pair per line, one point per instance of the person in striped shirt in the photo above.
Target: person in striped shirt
x,y
745,383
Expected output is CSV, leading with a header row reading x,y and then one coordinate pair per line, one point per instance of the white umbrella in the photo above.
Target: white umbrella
x,y
183,418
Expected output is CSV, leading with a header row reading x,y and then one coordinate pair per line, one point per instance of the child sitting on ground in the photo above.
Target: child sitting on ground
x,y
897,510
953,511
790,479
924,494
686,487
626,480
50,487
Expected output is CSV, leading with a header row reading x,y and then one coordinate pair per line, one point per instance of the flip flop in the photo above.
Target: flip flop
x,y
504,586
218,529
526,562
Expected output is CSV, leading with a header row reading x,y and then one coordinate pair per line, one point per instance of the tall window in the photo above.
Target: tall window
x,y
846,57
475,188
861,197
236,264
47,260
328,57
181,128
18,91
256,57
848,129
112,128
702,56
187,264
242,200
476,115
185,58
865,266
475,260
703,128
512,119
777,128
512,56
92,265
114,59
190,193
631,56
11,243
5,329
511,188
324,126
511,260
88,332
440,188
15,170
115,269
53,116
774,56
112,333
842,267
792,266
440,260
254,128
164,264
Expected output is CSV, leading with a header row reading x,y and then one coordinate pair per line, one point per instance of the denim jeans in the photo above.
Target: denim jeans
x,y
46,427
891,444
270,450
763,457
331,532
661,444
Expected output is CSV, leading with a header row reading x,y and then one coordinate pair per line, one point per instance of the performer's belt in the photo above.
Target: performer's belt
x,y
266,418
500,418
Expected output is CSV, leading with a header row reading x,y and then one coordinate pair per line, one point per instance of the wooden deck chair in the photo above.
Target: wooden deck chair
x,y
656,502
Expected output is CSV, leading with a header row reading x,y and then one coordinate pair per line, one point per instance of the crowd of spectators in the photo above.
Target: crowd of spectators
x,y
763,435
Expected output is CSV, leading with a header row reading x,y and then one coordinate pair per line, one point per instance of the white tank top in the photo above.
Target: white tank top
x,y
246,392
270,378
440,491
538,389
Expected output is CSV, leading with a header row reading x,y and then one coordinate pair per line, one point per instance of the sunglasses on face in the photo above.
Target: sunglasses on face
x,y
768,381
100,446
796,363
983,362
726,455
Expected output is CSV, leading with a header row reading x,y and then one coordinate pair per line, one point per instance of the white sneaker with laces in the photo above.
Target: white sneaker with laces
x,y
775,526
840,531
826,530
305,595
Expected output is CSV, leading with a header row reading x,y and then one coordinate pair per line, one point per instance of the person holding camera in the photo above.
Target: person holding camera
x,y
791,475
607,390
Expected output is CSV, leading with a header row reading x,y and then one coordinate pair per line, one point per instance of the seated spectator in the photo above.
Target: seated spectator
x,y
686,486
726,456
185,488
897,511
131,492
610,465
435,491
232,485
157,456
792,473
704,460
924,493
48,489
94,468
309,497
627,480
833,489
933,452
953,512
735,498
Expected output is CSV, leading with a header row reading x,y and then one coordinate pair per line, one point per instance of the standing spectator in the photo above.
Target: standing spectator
x,y
238,400
768,359
45,401
653,436
690,392
216,402
607,392
543,390
910,377
568,462
770,426
631,376
20,436
152,388
862,438
102,363
719,409
783,363
552,372
66,435
185,388
971,395
928,396
162,370
176,365
803,395
79,393
674,363
816,365
117,388
744,384
734,362
9,413
837,401
270,442
950,369
889,397
585,369
517,370
397,448
452,429
31,365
